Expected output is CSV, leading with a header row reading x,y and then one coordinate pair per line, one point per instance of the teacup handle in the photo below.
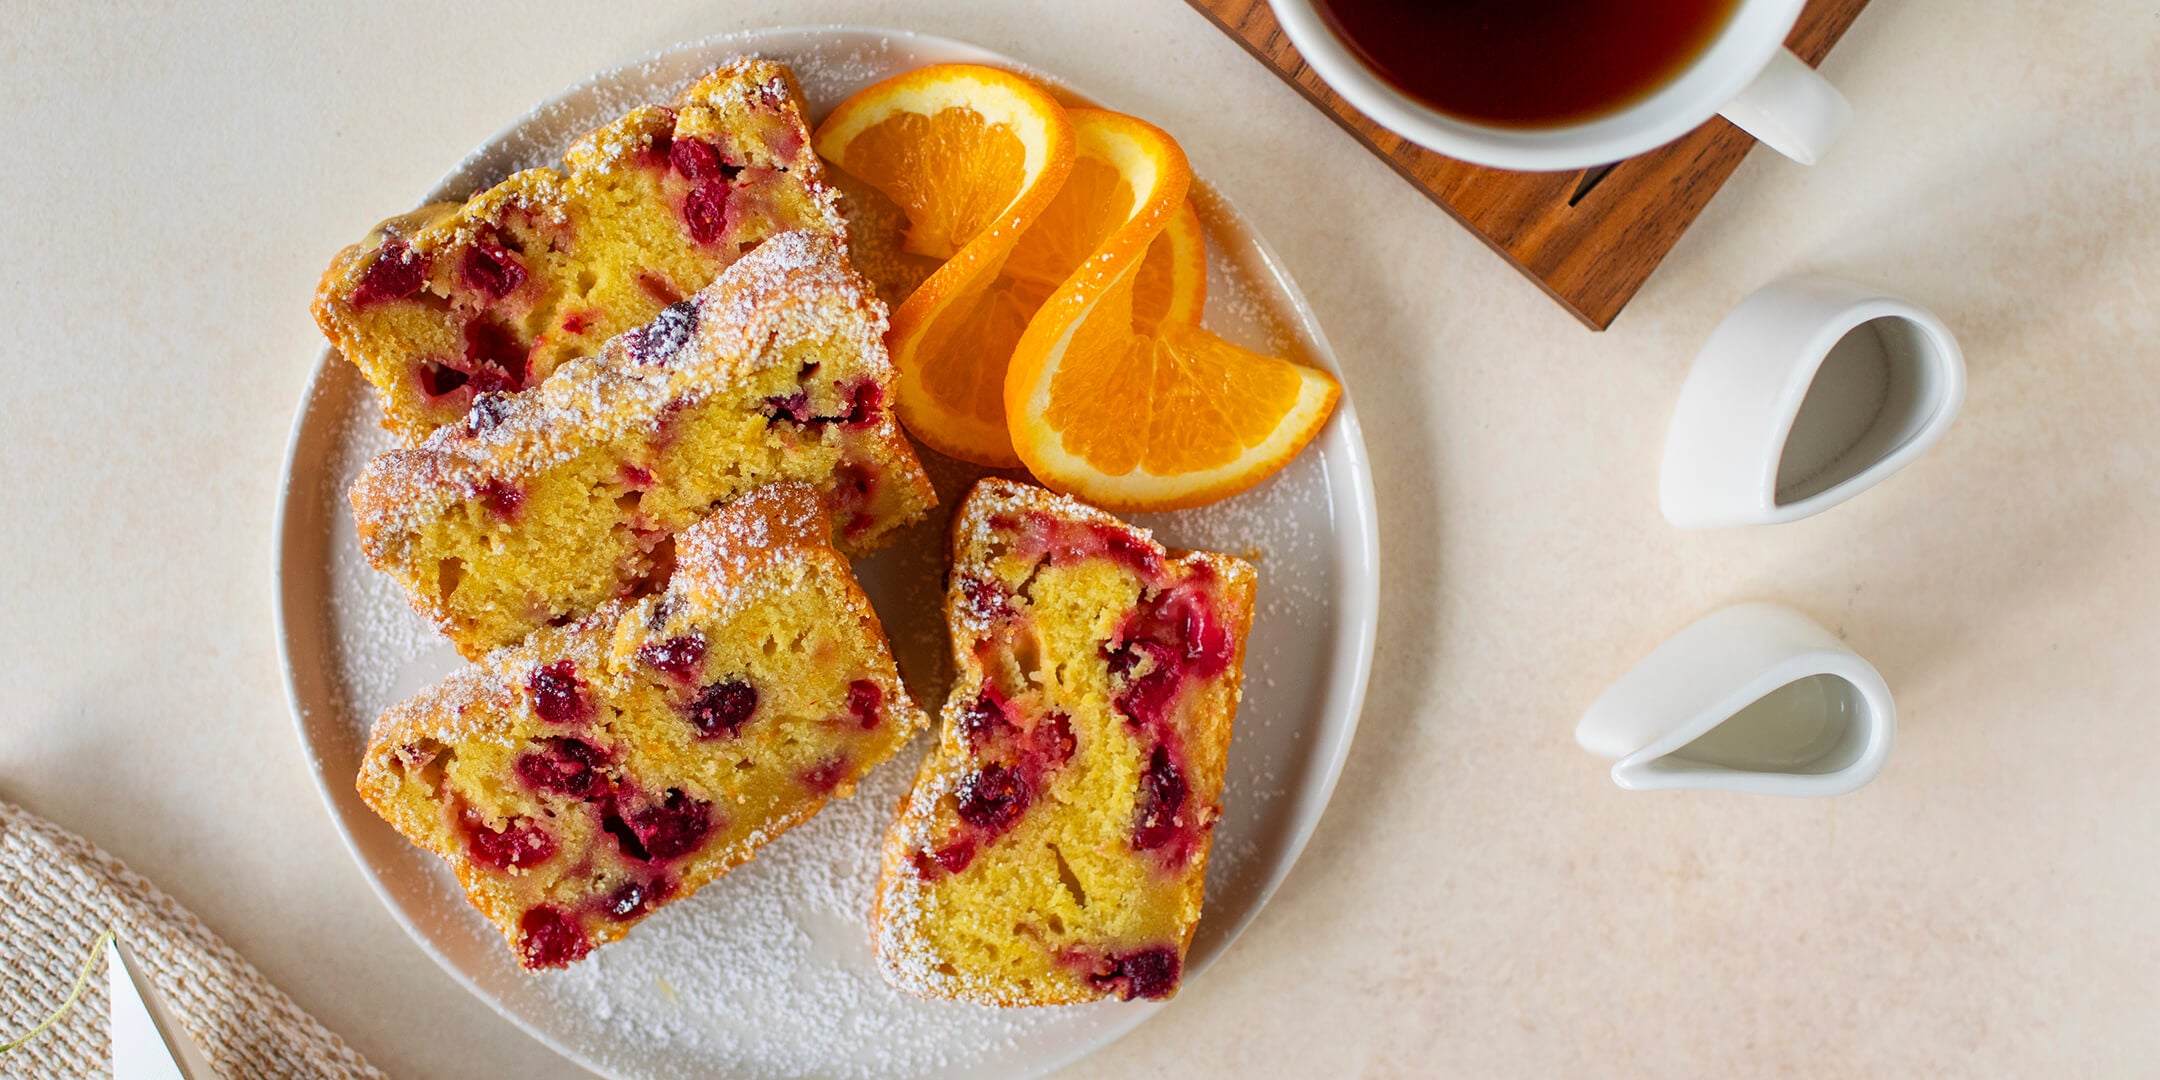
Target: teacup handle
x,y
1791,109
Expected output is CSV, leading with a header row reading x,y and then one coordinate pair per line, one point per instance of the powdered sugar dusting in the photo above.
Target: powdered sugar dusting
x,y
768,972
770,522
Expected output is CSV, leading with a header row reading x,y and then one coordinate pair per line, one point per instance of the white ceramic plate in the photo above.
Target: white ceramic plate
x,y
768,971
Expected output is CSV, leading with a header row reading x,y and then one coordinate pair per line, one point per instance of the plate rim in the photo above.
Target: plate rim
x,y
1356,591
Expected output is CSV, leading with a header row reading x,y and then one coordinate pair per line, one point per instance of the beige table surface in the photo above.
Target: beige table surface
x,y
1480,900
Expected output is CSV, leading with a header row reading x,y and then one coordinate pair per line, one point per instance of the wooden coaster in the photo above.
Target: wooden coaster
x,y
1589,238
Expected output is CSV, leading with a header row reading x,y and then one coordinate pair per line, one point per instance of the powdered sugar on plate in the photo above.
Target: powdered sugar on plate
x,y
387,650
768,971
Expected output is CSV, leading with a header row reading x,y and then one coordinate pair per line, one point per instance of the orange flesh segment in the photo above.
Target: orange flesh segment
x,y
1095,200
1173,275
953,171
964,350
1225,401
1199,400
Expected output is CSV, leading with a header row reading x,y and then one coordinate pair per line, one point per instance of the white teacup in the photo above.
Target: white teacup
x,y
1745,73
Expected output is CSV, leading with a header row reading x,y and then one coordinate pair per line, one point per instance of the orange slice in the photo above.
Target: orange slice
x,y
973,156
1172,285
1103,193
1111,400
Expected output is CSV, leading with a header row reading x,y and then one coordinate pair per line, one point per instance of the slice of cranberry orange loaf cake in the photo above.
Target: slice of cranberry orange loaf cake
x,y
582,779
1055,844
540,506
457,299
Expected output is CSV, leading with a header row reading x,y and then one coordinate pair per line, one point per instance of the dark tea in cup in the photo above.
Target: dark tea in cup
x,y
1526,63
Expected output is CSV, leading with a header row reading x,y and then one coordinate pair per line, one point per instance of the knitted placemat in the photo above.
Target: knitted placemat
x,y
57,893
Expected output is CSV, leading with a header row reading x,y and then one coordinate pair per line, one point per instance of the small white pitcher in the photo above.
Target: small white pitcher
x,y
1811,391
1753,698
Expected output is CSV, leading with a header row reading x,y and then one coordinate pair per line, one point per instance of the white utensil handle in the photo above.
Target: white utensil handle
x,y
1791,109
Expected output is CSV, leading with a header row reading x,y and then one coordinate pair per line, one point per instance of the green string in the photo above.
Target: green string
x,y
82,978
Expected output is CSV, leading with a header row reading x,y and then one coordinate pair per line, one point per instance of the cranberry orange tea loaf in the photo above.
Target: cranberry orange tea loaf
x,y
601,769
454,300
538,507
1055,844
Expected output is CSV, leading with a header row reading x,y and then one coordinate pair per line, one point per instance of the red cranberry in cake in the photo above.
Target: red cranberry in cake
x,y
855,491
488,377
549,937
578,782
501,497
826,775
866,703
1180,621
695,159
570,767
438,378
705,211
658,341
1078,775
1158,813
494,360
629,901
628,845
516,845
673,827
864,401
1147,674
558,694
951,858
1147,973
487,411
490,268
1052,741
721,710
794,408
395,274
992,798
982,720
982,601
679,657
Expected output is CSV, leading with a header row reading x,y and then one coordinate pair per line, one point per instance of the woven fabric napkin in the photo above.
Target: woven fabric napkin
x,y
57,893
